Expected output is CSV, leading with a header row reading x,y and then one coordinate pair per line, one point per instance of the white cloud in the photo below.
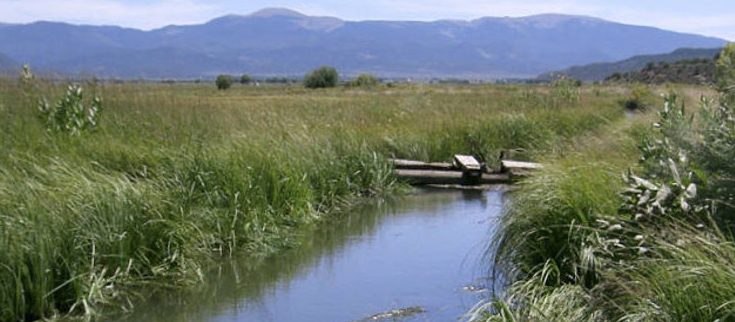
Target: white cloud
x,y
677,17
712,24
464,9
97,12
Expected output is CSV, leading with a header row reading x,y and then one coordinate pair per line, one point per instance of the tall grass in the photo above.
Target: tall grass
x,y
550,247
580,244
176,174
689,278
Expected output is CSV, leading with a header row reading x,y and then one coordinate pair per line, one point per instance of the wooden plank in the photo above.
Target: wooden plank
x,y
412,164
467,162
429,176
510,164
448,177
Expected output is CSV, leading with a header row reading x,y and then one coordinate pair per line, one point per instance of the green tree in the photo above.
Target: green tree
x,y
245,79
322,77
223,82
726,73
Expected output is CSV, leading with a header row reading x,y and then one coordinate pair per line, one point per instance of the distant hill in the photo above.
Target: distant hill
x,y
699,71
285,42
601,71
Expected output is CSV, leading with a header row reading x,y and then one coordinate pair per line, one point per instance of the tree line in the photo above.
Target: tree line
x,y
322,77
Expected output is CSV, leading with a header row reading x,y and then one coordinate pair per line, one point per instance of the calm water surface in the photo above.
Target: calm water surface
x,y
425,250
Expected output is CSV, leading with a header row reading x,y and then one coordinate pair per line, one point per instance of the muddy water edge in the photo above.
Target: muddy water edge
x,y
419,258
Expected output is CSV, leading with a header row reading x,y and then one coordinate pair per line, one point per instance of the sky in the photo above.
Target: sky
x,y
706,17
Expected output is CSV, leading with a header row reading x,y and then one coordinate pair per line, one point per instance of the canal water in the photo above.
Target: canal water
x,y
424,251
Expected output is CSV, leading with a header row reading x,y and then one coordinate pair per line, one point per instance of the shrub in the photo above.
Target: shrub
x,y
245,79
223,82
321,77
69,114
363,80
614,77
637,98
279,80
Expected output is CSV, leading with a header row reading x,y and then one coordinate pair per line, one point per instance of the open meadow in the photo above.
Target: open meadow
x,y
176,174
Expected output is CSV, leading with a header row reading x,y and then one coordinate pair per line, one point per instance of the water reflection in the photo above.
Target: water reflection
x,y
424,250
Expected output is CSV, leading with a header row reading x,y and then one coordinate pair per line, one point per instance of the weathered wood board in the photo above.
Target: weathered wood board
x,y
448,177
510,164
465,170
412,164
519,168
467,162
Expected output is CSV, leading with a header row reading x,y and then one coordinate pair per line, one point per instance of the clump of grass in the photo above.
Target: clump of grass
x,y
689,277
551,220
556,211
533,300
565,89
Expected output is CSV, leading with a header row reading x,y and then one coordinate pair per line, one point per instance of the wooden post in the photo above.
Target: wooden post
x,y
471,169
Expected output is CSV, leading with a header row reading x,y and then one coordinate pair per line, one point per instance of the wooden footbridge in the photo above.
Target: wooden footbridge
x,y
465,170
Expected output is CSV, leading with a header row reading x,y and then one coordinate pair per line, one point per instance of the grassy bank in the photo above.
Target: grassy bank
x,y
581,244
176,174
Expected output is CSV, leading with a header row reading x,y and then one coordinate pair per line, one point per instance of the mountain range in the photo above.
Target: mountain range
x,y
285,42
8,64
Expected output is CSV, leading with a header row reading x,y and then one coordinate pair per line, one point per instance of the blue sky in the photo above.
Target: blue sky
x,y
707,17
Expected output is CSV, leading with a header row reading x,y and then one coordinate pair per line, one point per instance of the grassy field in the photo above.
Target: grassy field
x,y
176,174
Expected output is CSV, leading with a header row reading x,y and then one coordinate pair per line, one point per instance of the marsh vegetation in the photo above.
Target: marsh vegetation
x,y
173,176
581,244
